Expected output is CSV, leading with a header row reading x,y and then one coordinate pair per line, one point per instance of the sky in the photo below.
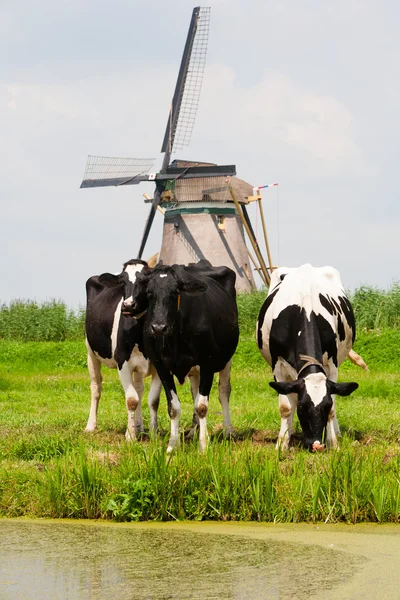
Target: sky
x,y
300,92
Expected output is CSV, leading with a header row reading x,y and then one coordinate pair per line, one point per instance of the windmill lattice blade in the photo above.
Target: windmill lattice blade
x,y
194,80
108,170
188,86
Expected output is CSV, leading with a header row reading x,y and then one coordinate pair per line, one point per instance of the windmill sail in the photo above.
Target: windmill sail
x,y
188,85
103,171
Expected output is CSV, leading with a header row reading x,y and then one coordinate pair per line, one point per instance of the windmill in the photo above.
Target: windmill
x,y
204,205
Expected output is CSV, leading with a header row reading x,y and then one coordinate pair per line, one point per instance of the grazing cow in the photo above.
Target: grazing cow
x,y
116,341
305,330
191,321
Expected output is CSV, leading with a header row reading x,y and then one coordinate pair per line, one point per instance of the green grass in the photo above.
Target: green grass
x,y
50,468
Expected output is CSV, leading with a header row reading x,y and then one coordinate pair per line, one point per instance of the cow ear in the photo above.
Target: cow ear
x,y
342,389
143,275
188,283
287,387
110,280
192,286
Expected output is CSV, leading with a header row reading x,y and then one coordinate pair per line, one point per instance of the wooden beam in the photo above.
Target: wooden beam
x,y
265,234
256,267
252,198
159,208
250,236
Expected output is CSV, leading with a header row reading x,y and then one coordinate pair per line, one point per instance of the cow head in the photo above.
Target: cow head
x,y
159,292
314,403
125,280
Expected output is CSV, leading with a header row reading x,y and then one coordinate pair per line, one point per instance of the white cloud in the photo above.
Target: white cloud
x,y
315,131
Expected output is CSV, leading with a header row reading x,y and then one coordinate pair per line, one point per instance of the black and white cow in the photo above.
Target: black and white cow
x,y
116,341
191,321
305,330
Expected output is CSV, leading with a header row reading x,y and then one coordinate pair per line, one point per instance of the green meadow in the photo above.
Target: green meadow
x,y
49,467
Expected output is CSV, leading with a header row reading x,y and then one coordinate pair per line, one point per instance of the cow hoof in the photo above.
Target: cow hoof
x,y
89,429
172,445
332,446
229,434
190,435
203,446
282,445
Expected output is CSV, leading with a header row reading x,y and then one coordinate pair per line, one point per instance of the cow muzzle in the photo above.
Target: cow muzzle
x,y
128,308
317,447
158,329
131,310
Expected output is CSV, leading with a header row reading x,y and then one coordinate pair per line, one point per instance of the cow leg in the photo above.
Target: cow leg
x,y
154,401
224,392
332,427
287,409
132,400
201,403
94,368
174,411
174,406
138,382
194,378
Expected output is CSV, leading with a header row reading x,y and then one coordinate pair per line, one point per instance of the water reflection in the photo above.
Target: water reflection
x,y
75,561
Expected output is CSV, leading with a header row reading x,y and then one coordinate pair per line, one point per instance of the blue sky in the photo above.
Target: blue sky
x,y
305,93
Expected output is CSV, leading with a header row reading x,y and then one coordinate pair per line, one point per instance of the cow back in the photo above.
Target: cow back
x,y
306,312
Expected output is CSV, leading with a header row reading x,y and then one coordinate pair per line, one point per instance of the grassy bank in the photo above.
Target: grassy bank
x,y
50,468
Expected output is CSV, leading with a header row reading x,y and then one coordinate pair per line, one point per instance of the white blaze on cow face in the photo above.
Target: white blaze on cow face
x,y
316,387
131,271
129,275
128,301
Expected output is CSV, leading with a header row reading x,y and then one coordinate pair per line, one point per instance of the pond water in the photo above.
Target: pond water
x,y
80,560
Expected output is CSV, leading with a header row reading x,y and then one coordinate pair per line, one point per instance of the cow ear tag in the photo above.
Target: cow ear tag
x,y
179,301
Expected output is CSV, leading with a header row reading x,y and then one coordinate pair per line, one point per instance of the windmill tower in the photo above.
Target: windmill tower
x,y
204,205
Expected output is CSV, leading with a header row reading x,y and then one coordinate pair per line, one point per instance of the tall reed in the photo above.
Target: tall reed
x,y
54,321
49,321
